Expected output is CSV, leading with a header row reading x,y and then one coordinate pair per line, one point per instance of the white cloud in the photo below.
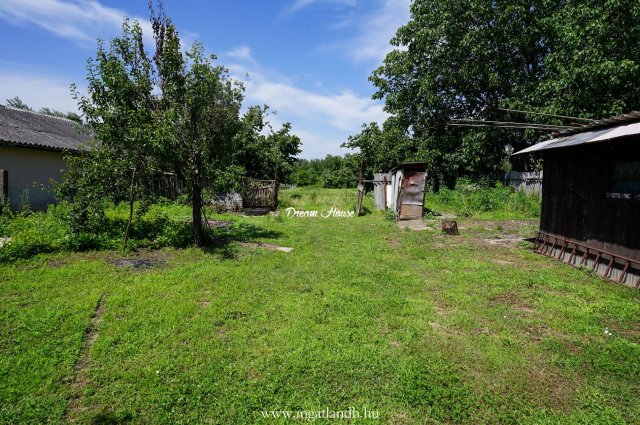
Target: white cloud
x,y
79,20
37,91
344,110
241,53
322,120
376,30
301,4
372,31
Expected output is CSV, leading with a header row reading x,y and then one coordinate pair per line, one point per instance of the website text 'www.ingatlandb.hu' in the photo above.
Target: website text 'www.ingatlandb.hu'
x,y
327,413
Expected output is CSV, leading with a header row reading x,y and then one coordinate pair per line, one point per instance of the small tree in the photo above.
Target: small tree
x,y
119,112
172,111
198,113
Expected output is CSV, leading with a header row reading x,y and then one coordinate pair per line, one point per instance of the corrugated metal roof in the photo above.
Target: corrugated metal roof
x,y
35,130
598,131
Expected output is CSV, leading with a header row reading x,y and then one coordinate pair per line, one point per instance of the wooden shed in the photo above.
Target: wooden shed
x,y
591,197
408,182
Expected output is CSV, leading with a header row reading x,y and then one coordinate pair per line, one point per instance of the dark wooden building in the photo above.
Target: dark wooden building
x,y
591,197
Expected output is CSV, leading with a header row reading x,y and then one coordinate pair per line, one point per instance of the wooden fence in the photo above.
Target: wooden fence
x,y
253,193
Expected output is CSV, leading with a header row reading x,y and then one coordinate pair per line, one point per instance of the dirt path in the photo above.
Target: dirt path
x,y
76,406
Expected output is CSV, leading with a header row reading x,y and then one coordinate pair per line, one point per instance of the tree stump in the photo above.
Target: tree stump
x,y
450,227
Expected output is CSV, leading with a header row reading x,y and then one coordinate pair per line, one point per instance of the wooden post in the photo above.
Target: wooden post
x,y
360,190
4,187
384,192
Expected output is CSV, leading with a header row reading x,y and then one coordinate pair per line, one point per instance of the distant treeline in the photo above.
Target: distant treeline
x,y
333,171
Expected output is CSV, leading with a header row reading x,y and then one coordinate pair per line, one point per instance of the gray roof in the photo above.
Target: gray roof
x,y
34,130
598,131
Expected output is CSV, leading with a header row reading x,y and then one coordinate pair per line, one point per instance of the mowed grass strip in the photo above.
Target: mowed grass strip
x,y
414,325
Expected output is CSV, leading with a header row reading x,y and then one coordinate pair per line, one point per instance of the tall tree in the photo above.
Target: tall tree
x,y
261,151
381,148
466,59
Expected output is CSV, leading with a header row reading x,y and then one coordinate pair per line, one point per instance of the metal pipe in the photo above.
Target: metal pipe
x,y
546,115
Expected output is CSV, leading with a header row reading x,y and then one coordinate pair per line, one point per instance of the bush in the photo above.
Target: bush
x,y
51,231
33,234
471,199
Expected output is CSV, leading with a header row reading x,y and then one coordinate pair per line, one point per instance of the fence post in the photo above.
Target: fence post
x,y
4,185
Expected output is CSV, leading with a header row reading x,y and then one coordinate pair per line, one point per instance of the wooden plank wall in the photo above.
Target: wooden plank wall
x,y
574,197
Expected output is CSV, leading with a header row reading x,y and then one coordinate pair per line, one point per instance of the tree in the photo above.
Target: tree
x,y
262,152
16,102
381,149
119,111
467,59
167,112
198,113
55,113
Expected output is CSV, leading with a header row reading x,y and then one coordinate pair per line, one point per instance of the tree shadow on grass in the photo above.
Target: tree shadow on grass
x,y
221,239
111,418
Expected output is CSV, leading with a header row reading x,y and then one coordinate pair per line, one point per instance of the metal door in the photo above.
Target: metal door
x,y
412,194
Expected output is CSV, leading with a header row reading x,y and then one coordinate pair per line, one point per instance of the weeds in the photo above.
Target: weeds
x,y
469,200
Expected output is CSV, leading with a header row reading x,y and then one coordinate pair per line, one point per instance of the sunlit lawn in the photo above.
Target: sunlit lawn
x,y
417,326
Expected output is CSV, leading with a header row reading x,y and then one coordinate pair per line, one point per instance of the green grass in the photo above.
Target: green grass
x,y
420,327
499,202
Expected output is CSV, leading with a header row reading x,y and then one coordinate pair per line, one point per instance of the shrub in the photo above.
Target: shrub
x,y
52,231
470,199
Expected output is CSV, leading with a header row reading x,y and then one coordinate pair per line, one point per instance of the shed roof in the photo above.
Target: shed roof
x,y
35,130
597,131
409,165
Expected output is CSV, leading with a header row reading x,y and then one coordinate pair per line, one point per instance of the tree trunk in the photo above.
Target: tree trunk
x,y
196,202
450,227
131,201
274,207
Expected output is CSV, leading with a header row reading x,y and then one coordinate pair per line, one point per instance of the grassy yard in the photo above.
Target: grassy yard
x,y
419,327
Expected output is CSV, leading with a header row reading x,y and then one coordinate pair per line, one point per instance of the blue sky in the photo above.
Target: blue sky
x,y
307,59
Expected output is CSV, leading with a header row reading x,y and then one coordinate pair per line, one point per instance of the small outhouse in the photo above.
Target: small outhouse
x,y
408,182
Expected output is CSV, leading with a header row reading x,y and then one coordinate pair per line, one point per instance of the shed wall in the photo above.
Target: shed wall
x,y
574,197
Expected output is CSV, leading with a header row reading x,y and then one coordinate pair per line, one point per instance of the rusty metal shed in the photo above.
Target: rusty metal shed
x,y
408,182
591,197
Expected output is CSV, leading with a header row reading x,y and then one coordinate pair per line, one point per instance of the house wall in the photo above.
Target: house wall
x,y
575,204
27,168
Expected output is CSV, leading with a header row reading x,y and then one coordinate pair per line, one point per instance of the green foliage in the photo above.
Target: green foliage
x,y
118,110
466,59
381,149
419,326
261,152
16,102
55,113
173,111
473,199
53,231
34,234
332,171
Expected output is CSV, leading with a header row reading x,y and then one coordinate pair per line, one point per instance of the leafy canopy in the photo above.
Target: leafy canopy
x,y
467,59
